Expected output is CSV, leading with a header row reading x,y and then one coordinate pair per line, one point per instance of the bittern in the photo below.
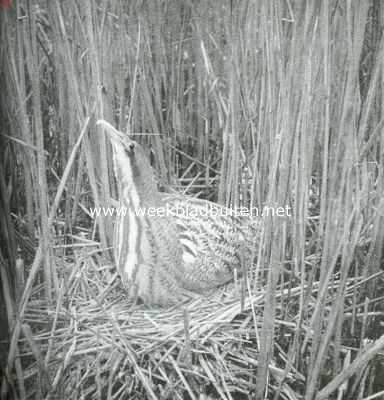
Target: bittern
x,y
170,247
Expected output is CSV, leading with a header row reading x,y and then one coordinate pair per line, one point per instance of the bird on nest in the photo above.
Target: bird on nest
x,y
170,247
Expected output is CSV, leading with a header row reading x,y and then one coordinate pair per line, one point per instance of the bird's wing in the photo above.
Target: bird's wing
x,y
213,240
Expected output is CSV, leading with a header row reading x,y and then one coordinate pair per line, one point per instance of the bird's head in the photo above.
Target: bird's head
x,y
132,167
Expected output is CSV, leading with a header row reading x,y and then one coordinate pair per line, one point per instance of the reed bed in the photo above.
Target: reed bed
x,y
248,103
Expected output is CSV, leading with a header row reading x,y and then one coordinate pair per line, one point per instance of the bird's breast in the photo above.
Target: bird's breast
x,y
132,246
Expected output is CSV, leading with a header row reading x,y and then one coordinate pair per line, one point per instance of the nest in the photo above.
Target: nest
x,y
93,342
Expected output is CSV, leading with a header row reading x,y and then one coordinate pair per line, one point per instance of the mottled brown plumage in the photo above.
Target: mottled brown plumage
x,y
191,248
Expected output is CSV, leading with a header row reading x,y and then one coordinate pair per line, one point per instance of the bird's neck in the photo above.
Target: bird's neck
x,y
140,195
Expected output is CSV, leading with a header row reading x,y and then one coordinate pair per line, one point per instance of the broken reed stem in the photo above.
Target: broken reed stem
x,y
358,364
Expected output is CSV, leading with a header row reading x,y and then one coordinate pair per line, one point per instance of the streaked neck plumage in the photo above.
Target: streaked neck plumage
x,y
135,176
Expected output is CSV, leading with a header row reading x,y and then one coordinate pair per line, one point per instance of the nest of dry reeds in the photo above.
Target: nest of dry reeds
x,y
93,342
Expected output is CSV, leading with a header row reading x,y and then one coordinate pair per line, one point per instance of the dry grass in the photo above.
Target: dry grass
x,y
249,103
96,343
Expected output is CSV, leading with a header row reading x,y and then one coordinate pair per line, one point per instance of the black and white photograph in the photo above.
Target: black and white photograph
x,y
191,200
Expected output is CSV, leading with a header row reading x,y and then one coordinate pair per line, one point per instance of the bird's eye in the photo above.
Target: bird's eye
x,y
130,150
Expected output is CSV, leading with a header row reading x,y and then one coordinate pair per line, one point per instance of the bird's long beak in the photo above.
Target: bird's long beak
x,y
120,144
116,136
